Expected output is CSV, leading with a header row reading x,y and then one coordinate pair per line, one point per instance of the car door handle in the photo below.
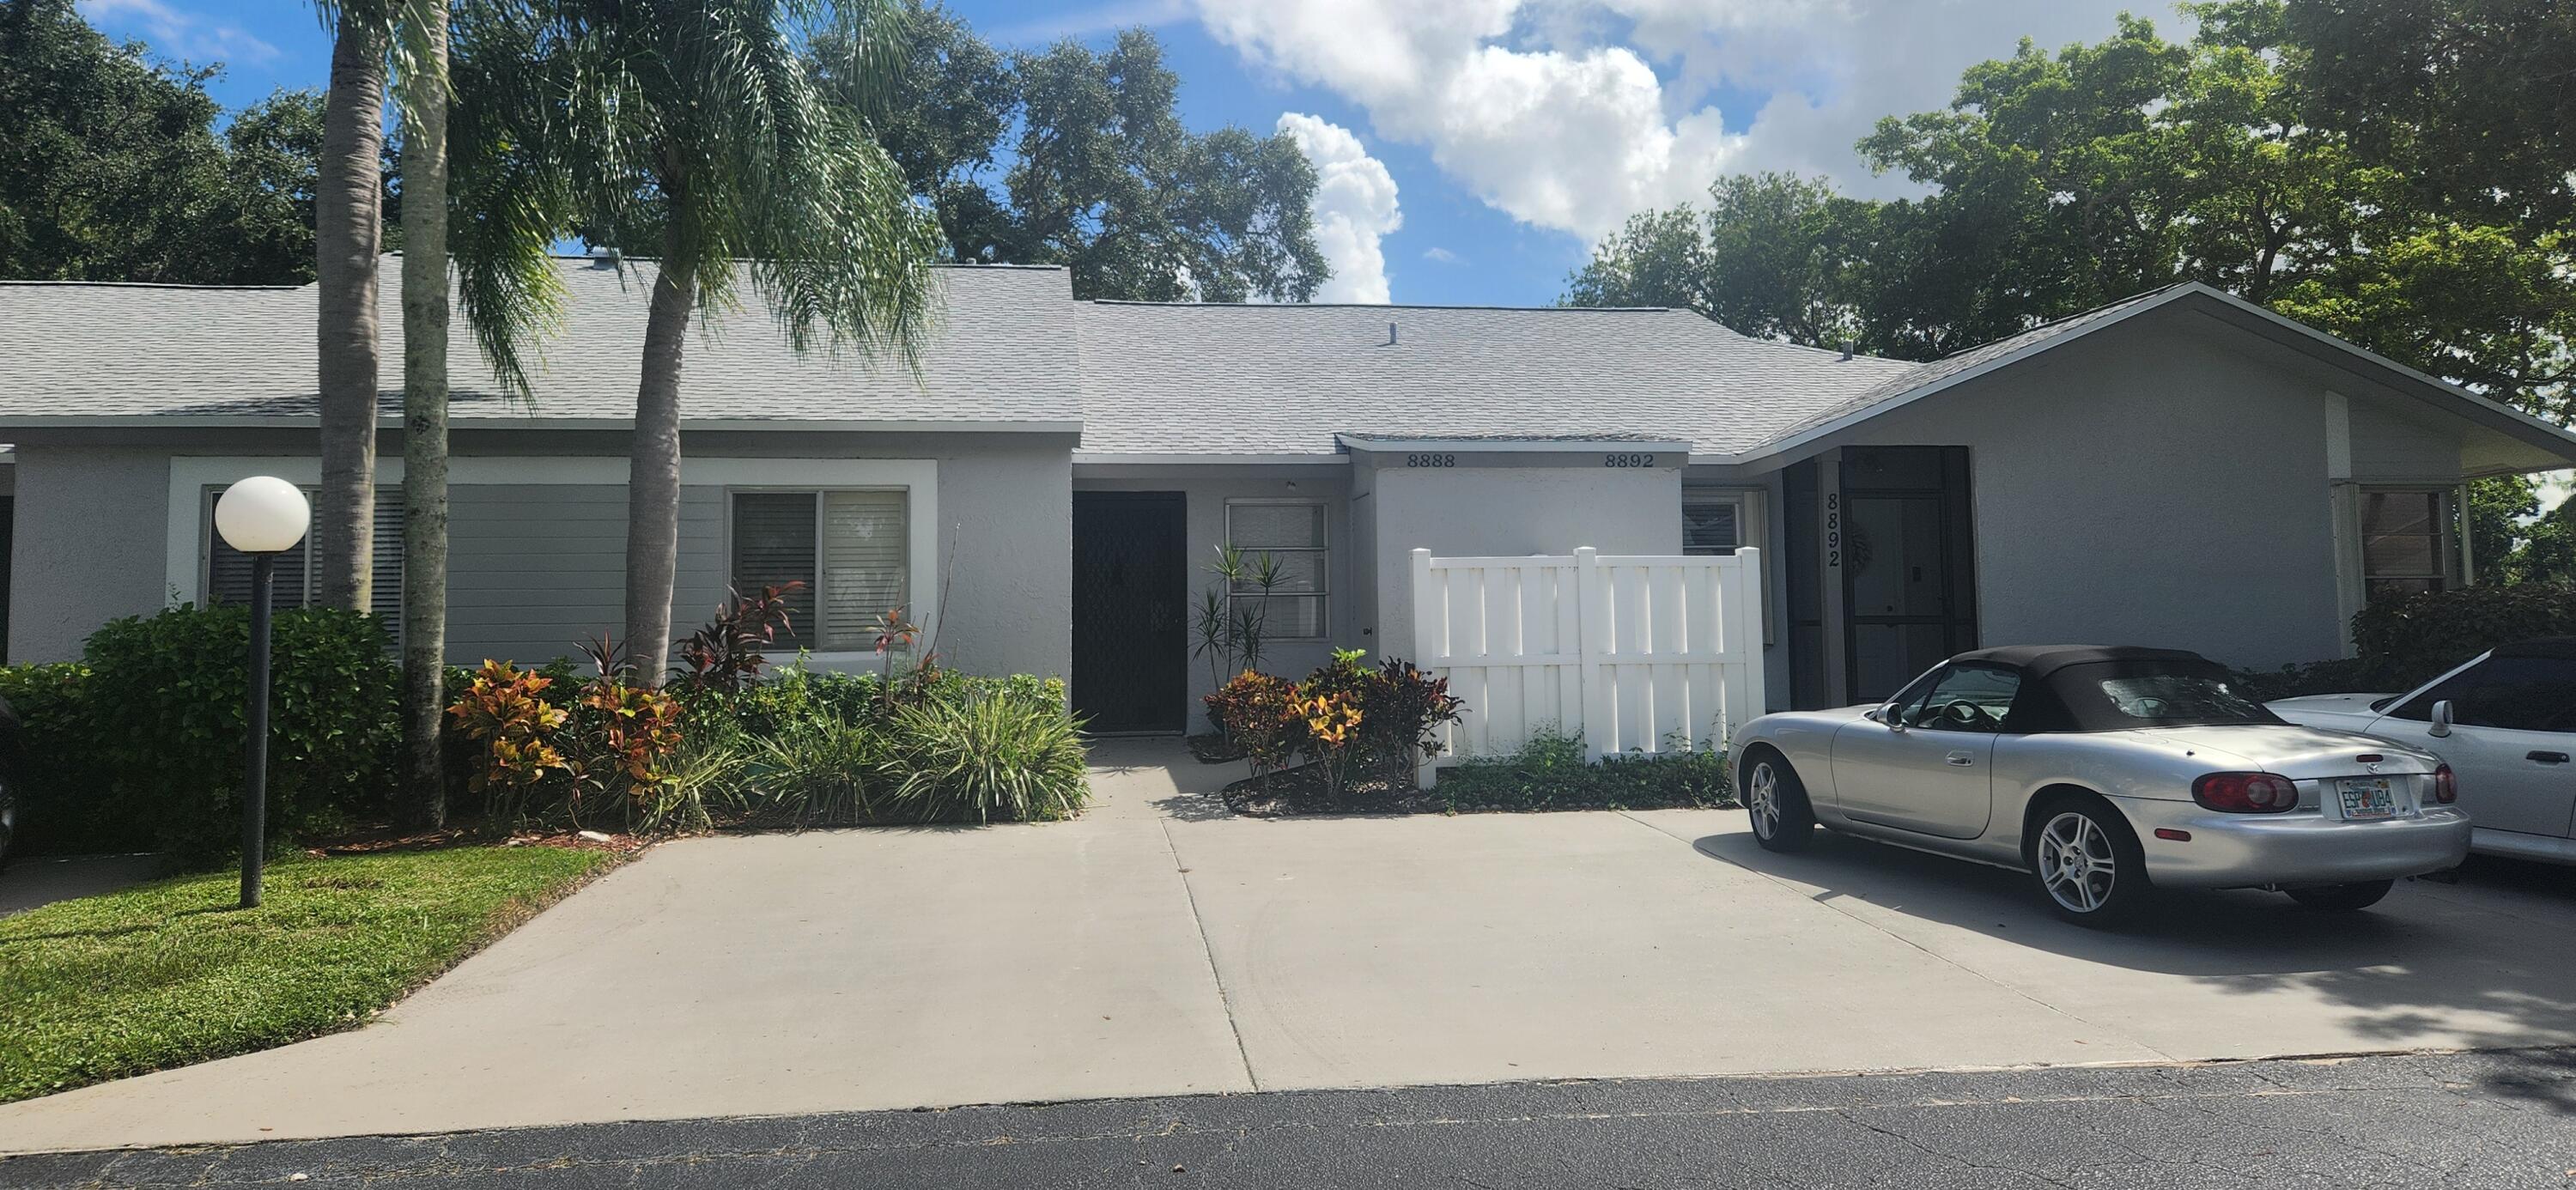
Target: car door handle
x,y
1962,759
2546,757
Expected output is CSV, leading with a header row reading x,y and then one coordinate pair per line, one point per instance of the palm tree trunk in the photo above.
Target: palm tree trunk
x,y
425,322
348,229
653,471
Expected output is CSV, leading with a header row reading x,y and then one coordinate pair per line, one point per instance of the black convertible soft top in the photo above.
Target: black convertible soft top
x,y
2039,661
2063,688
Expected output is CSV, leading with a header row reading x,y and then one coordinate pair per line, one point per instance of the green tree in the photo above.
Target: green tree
x,y
1102,176
1765,257
699,117
110,169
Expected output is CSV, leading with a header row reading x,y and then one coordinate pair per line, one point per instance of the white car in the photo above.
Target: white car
x,y
2505,723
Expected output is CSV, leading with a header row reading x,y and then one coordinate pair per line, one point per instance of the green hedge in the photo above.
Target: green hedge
x,y
1550,773
141,744
2416,638
2403,643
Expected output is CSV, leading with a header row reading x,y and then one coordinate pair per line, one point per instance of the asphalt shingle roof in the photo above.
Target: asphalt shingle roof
x,y
1272,380
1012,348
1000,354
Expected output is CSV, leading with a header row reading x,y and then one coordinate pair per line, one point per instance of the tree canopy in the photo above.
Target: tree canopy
x,y
111,168
1078,157
2394,172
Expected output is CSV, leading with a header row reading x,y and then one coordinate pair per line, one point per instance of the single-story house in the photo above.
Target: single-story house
x,y
1046,490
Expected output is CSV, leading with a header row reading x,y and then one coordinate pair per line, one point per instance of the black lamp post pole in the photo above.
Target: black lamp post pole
x,y
255,795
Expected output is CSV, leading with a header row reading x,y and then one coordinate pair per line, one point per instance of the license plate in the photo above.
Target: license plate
x,y
2366,797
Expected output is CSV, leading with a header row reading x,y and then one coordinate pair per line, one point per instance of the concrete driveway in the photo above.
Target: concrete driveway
x,y
1159,947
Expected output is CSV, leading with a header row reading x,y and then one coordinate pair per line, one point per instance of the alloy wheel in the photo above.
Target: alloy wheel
x,y
2077,863
1762,799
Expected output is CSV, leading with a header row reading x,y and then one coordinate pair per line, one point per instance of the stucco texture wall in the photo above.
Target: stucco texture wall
x,y
92,526
1506,511
2134,490
537,568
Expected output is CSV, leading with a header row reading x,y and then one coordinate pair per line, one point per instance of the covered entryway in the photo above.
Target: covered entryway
x,y
1882,569
1130,611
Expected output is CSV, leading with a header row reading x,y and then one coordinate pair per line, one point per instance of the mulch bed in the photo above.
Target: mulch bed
x,y
373,838
1302,790
1212,748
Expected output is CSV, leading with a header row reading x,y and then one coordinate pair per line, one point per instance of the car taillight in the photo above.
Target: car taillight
x,y
2446,787
2246,793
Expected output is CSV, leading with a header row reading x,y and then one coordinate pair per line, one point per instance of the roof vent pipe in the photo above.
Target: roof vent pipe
x,y
1847,349
1390,334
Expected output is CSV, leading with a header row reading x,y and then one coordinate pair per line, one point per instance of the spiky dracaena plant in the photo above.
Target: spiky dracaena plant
x,y
701,118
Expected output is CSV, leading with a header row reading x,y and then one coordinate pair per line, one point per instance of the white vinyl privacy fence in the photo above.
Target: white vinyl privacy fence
x,y
1632,654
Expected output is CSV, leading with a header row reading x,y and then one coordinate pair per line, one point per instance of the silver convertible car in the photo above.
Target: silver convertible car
x,y
2105,772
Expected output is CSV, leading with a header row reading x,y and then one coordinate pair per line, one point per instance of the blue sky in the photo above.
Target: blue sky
x,y
1471,149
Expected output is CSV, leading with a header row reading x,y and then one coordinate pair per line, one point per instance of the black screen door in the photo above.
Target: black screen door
x,y
1130,611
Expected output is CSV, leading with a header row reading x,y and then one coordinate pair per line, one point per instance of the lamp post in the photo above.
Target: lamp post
x,y
262,516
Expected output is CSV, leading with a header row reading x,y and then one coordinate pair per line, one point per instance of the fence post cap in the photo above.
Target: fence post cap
x,y
1420,552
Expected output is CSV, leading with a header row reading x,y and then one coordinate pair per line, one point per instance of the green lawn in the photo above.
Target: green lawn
x,y
171,973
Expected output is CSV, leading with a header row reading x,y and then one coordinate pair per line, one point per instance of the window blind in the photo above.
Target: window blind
x,y
1708,526
865,540
228,569
773,545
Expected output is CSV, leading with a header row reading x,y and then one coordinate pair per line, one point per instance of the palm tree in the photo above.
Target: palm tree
x,y
700,116
473,148
423,98
348,229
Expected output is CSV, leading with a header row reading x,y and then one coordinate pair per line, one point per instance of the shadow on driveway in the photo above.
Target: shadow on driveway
x,y
2488,962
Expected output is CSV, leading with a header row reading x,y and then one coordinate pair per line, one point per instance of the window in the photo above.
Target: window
x,y
851,549
2513,693
226,578
2407,542
1713,523
1295,536
1967,698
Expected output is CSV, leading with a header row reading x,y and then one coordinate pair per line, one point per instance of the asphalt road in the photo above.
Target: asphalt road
x,y
2492,1120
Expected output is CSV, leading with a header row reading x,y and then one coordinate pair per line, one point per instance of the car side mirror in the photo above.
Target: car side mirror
x,y
2442,717
1887,714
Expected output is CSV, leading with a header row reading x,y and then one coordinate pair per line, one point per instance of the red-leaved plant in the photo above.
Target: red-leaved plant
x,y
730,649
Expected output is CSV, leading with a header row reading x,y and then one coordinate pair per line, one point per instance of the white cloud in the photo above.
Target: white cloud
x,y
181,33
1354,208
1441,255
1536,110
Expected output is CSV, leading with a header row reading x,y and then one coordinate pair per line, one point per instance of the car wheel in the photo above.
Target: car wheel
x,y
2088,864
1776,803
2341,898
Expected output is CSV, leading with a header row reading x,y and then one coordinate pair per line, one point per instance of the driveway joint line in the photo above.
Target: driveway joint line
x,y
1207,949
1936,956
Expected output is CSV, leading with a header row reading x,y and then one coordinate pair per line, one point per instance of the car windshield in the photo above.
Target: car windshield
x,y
2114,695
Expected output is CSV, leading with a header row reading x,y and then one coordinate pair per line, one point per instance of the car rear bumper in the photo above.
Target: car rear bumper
x,y
2237,850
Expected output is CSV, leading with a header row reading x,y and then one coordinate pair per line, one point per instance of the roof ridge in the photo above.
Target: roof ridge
x,y
2062,320
1388,306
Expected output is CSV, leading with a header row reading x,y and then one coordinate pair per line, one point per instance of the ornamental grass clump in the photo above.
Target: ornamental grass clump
x,y
988,756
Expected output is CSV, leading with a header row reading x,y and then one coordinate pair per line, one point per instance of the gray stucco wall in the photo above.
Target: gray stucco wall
x,y
1505,511
90,534
1006,540
2130,492
537,568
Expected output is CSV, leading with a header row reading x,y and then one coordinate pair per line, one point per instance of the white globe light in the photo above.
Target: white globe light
x,y
262,515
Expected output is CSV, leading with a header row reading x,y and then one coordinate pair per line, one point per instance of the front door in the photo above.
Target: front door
x,y
1130,604
1908,594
